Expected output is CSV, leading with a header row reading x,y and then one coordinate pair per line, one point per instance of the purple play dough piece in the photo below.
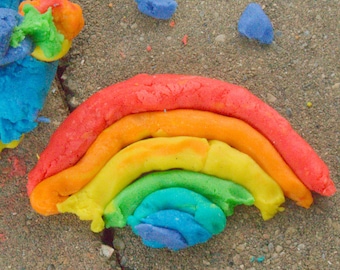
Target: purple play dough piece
x,y
157,237
179,221
14,54
9,19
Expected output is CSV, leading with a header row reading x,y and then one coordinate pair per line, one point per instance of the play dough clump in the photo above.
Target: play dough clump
x,y
31,44
41,29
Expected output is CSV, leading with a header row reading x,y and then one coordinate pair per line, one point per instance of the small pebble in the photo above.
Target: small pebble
x,y
241,247
123,261
220,38
50,267
270,247
124,25
278,33
73,103
106,251
271,98
266,236
205,262
301,246
134,26
290,231
289,112
26,229
278,248
118,244
336,86
237,259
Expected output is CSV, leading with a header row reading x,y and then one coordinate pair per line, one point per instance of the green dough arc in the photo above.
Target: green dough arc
x,y
225,194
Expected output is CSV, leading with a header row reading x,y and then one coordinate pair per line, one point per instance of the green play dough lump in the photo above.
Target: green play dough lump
x,y
224,194
41,29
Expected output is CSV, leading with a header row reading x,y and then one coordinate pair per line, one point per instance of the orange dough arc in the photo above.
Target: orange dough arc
x,y
132,128
144,93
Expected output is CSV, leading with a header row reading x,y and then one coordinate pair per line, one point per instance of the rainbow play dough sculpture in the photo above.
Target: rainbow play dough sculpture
x,y
161,153
32,40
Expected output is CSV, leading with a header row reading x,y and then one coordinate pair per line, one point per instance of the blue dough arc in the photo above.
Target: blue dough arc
x,y
205,213
179,221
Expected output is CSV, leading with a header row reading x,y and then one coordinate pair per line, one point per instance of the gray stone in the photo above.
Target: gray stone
x,y
106,251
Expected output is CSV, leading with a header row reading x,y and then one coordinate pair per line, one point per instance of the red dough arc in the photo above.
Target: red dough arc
x,y
144,93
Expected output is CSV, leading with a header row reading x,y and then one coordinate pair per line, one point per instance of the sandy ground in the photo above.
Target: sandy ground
x,y
301,66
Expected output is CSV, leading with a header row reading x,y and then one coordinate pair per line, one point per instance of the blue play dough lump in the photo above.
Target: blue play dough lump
x,y
158,9
205,212
255,24
176,218
13,4
24,85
